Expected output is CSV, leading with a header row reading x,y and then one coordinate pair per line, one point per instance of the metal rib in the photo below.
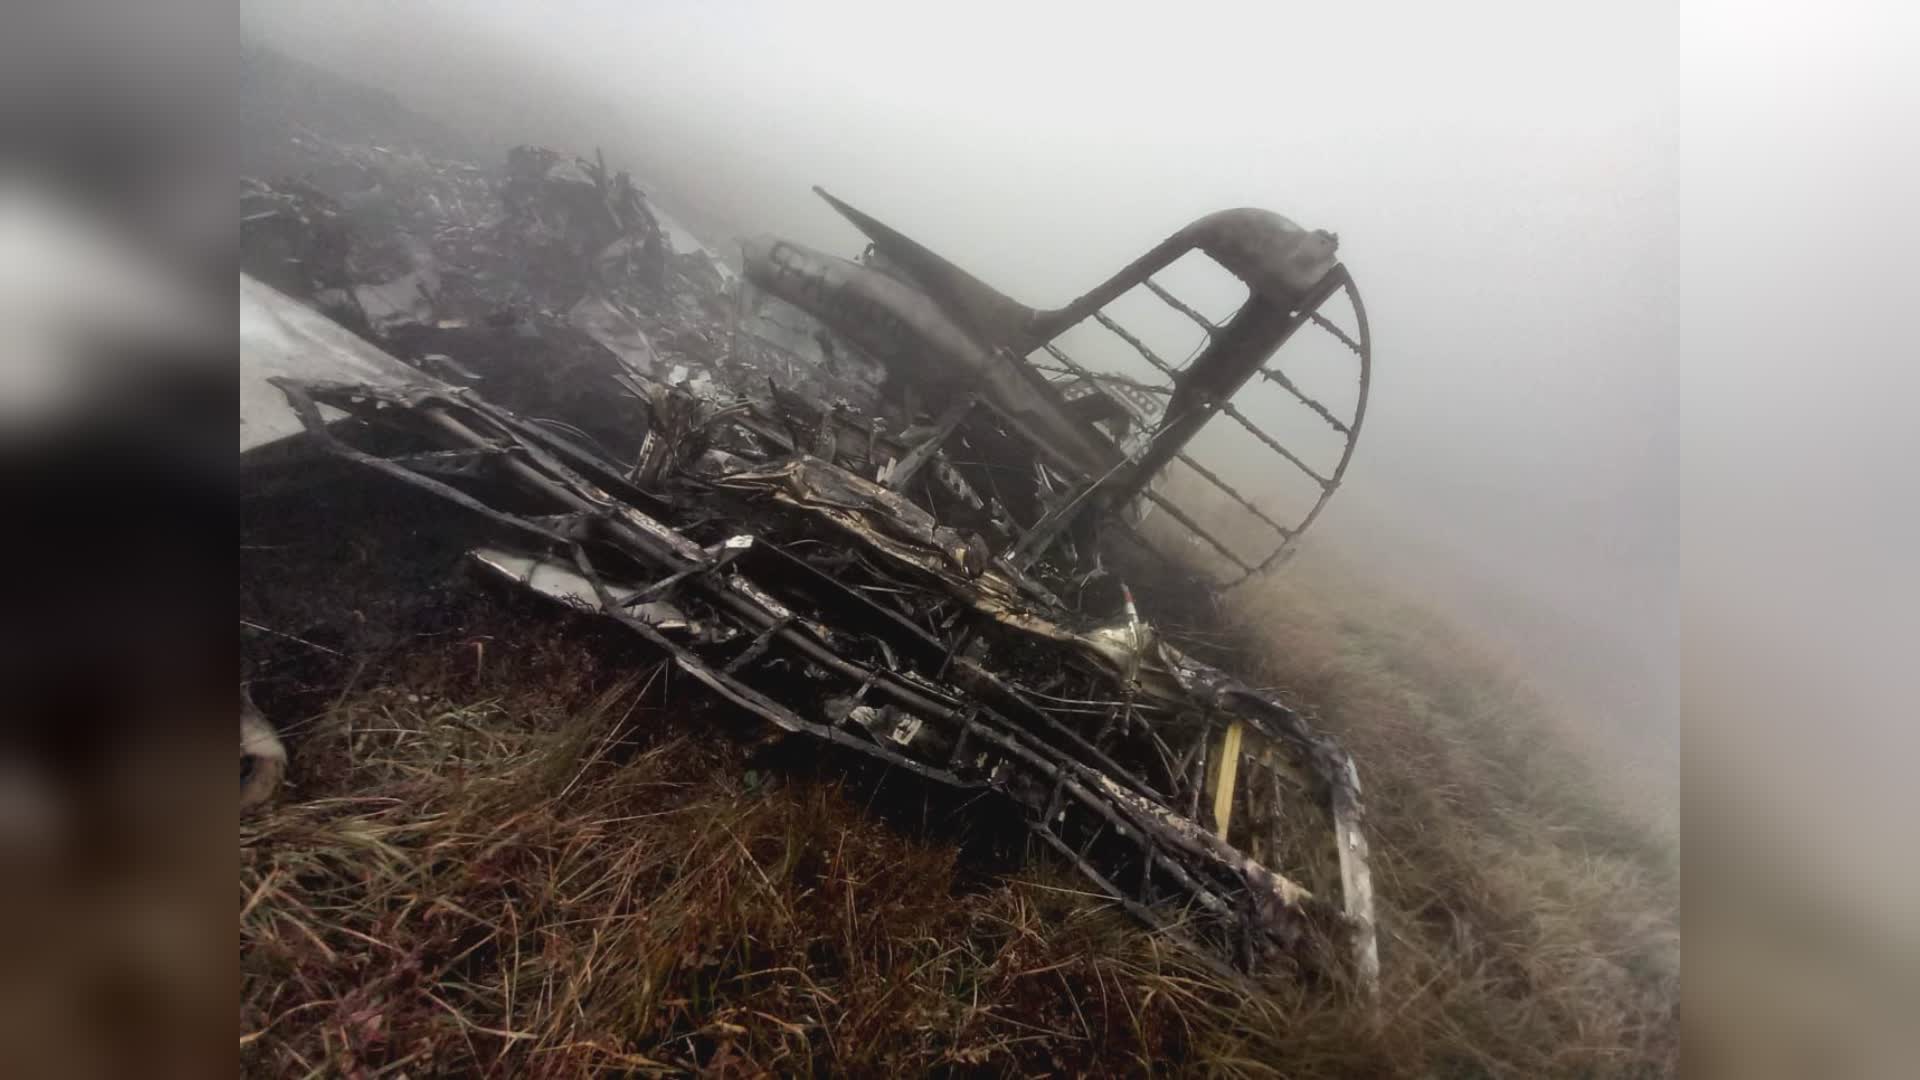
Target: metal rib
x,y
1194,527
1235,495
1132,392
1071,364
1180,306
1274,446
1327,324
1287,385
1138,345
1118,380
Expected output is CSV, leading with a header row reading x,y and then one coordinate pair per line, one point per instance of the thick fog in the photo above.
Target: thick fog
x,y
1502,177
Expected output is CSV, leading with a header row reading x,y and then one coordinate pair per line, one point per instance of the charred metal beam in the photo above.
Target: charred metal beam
x,y
752,700
1194,527
1327,324
1124,815
909,466
1138,346
1180,306
1277,260
755,649
1199,782
1288,385
1128,390
450,462
1260,327
1049,528
1234,412
1365,350
659,588
1208,474
1105,377
317,429
1073,366
1289,272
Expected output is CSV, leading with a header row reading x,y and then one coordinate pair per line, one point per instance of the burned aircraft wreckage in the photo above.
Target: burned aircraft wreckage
x,y
962,584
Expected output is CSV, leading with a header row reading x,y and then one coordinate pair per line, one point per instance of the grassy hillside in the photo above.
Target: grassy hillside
x,y
1530,923
542,854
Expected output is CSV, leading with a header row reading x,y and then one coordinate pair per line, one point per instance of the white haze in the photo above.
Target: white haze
x,y
1502,177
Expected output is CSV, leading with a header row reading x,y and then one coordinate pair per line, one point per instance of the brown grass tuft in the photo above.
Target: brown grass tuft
x,y
544,872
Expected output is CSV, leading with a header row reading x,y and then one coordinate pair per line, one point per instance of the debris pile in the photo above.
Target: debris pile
x,y
574,221
297,240
850,505
502,281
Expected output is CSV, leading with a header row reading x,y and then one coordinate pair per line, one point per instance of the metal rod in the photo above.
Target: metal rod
x,y
1193,526
1236,496
1138,345
1230,410
1101,376
1287,385
1132,392
1070,363
1365,350
916,458
1180,306
1327,324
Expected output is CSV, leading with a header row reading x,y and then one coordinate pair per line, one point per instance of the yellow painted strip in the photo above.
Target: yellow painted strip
x,y
1229,773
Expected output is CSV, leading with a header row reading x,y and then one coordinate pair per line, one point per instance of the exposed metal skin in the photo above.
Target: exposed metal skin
x,y
1275,257
990,316
282,336
916,339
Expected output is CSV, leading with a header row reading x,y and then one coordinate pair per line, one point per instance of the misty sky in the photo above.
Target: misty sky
x,y
1502,177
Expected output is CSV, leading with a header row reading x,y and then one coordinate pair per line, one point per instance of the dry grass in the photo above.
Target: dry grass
x,y
1530,923
544,872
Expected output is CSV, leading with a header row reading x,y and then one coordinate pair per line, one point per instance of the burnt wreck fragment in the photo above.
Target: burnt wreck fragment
x,y
945,569
934,325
